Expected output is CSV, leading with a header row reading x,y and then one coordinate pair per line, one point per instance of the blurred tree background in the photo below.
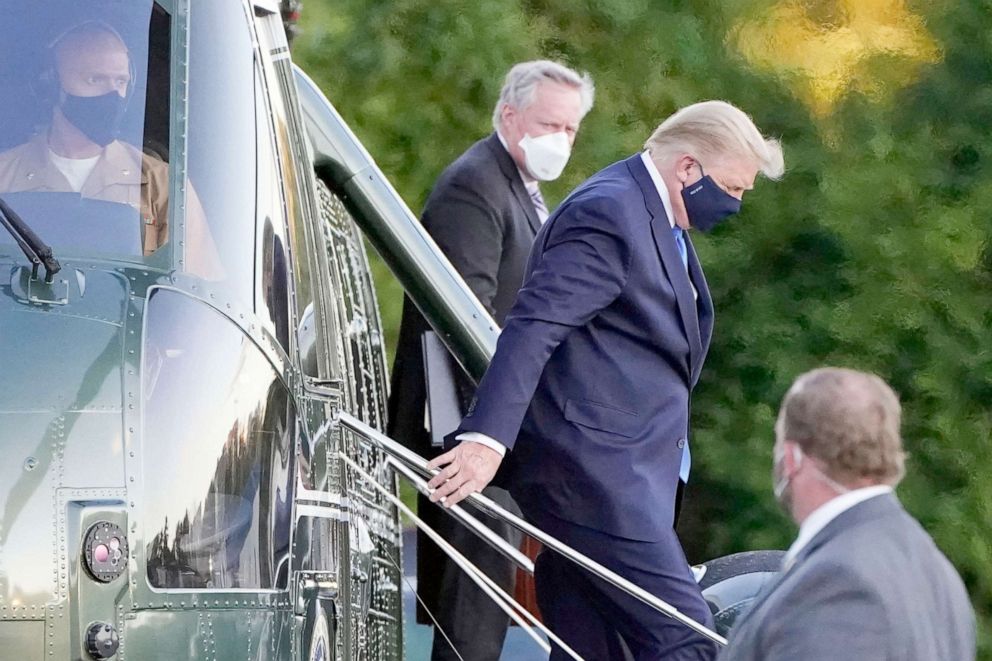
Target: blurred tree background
x,y
872,252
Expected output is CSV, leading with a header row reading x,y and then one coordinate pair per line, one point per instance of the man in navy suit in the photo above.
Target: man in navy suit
x,y
588,392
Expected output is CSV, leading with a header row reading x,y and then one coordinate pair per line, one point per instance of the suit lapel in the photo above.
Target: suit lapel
x,y
512,174
704,306
661,231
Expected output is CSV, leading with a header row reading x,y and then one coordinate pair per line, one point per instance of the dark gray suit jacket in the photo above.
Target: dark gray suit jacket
x,y
482,217
870,585
484,221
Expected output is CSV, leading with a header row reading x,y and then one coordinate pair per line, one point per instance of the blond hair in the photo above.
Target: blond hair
x,y
716,130
849,420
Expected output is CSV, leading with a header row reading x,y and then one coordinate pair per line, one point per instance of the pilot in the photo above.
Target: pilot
x,y
88,84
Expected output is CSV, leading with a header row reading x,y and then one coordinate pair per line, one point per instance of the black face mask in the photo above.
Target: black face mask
x,y
98,117
707,204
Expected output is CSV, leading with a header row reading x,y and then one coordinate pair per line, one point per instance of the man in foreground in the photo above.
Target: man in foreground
x,y
862,580
588,393
484,213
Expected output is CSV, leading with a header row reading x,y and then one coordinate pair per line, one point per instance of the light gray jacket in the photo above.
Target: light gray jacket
x,y
871,585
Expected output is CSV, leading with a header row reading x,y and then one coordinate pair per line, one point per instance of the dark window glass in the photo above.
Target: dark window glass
x,y
84,124
294,165
272,296
218,447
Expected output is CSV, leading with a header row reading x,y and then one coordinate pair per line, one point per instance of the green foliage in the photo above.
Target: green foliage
x,y
873,251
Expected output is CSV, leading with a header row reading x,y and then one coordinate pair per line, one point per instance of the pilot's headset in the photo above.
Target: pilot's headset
x,y
47,86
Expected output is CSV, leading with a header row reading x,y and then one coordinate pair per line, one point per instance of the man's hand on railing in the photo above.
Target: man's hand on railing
x,y
467,468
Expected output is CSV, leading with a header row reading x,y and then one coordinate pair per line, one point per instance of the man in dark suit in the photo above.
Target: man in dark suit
x,y
484,212
588,393
863,580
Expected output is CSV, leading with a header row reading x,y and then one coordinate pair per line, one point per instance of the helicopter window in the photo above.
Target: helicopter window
x,y
287,131
272,293
218,453
221,162
85,124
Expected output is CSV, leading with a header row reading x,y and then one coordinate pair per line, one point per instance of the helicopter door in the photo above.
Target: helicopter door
x,y
319,555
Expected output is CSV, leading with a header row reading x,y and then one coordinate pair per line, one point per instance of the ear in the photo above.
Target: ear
x,y
507,113
792,457
684,165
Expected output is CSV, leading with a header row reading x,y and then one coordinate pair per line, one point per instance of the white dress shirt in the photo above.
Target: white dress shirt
x,y
659,183
827,512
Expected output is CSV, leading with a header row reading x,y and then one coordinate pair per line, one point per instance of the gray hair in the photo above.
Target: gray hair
x,y
521,82
716,130
847,419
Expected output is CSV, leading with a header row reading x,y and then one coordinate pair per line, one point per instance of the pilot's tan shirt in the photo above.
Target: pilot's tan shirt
x,y
123,174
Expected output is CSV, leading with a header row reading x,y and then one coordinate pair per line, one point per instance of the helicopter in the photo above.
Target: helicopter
x,y
194,379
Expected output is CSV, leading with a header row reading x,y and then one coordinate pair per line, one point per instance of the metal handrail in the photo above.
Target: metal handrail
x,y
485,504
499,596
421,486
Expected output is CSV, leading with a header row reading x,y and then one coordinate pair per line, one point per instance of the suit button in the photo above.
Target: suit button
x,y
681,443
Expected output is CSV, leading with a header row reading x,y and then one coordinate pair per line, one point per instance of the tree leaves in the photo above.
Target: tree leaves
x,y
872,252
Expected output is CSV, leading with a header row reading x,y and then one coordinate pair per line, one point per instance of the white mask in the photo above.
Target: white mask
x,y
781,481
545,156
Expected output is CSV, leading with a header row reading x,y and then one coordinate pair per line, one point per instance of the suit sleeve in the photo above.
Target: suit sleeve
x,y
581,269
834,614
468,229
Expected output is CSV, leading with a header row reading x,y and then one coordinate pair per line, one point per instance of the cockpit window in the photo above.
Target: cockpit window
x,y
220,146
84,124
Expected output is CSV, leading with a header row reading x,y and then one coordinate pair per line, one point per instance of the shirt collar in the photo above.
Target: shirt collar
x,y
659,183
530,183
827,512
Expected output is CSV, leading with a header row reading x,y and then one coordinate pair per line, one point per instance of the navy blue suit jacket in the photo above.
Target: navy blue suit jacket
x,y
589,386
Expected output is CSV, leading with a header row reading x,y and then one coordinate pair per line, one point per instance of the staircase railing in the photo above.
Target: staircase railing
x,y
413,467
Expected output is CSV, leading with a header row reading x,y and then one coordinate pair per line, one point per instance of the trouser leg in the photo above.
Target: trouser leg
x,y
657,566
569,612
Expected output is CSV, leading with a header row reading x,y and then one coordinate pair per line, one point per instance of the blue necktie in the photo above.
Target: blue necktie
x,y
679,235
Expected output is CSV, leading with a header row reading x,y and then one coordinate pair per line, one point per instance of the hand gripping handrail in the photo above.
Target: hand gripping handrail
x,y
498,543
419,464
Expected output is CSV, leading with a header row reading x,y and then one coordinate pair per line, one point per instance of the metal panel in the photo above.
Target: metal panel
x,y
24,641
